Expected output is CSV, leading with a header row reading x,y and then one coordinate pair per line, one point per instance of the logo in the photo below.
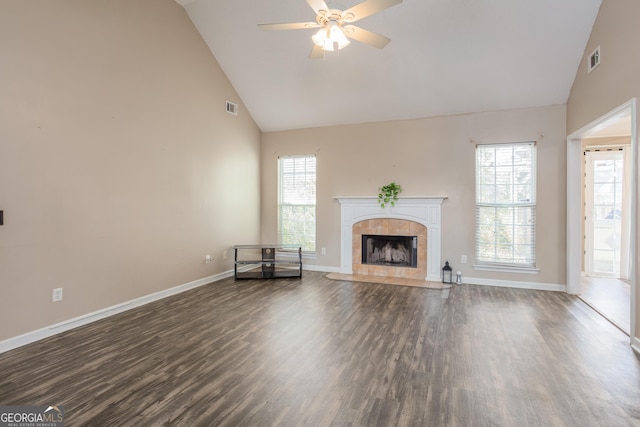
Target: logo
x,y
31,416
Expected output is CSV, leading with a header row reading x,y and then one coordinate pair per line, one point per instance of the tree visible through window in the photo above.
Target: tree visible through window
x,y
297,201
506,204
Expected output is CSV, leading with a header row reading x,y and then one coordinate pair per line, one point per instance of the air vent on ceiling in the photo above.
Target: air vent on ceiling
x,y
232,108
593,60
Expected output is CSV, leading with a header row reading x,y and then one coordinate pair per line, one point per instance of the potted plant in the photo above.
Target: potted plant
x,y
389,194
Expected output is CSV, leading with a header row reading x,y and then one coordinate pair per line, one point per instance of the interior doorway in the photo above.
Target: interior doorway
x,y
600,193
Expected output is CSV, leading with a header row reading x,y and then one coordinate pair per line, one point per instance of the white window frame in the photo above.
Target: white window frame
x,y
297,192
505,238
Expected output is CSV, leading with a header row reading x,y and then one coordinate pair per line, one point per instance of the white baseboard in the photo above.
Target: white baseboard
x,y
29,337
514,284
467,280
635,344
320,268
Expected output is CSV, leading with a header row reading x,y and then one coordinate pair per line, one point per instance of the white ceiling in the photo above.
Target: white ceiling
x,y
445,57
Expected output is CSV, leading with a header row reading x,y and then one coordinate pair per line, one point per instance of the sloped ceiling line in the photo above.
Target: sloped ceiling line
x,y
445,57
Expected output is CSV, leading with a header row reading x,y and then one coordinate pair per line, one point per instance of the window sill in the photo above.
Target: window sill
x,y
506,269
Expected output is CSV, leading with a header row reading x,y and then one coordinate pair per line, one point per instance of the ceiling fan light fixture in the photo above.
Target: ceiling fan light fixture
x,y
336,25
331,37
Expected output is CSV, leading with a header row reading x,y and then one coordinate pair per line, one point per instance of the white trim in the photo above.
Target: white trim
x,y
506,269
634,227
574,213
48,331
423,210
635,344
515,284
320,268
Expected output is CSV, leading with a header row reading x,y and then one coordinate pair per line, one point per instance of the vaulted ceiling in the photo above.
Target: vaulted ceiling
x,y
445,57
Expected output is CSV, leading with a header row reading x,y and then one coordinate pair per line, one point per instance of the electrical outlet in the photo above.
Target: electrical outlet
x,y
208,259
323,251
225,254
463,259
56,295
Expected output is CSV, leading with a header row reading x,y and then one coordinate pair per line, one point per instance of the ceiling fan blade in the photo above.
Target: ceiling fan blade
x,y
365,36
367,8
316,52
290,26
318,5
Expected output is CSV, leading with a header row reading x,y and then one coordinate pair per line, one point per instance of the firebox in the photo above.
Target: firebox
x,y
395,251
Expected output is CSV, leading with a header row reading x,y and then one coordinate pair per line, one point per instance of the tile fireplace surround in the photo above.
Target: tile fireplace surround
x,y
422,210
390,227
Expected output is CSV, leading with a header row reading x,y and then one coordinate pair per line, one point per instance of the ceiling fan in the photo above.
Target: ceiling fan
x,y
335,26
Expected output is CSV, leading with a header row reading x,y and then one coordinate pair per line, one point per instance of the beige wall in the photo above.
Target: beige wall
x,y
119,168
428,157
615,81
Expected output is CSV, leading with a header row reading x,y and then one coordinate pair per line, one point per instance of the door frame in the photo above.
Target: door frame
x,y
575,202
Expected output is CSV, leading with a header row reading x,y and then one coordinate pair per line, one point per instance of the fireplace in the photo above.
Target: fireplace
x,y
389,247
418,216
395,251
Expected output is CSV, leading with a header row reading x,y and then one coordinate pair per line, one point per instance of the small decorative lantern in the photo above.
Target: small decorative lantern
x,y
447,273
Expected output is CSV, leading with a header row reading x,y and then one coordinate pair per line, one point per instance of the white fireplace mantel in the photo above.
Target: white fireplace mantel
x,y
424,210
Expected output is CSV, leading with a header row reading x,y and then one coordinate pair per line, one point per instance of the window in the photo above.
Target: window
x,y
506,205
297,201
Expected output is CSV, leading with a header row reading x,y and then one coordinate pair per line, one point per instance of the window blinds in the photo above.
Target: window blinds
x,y
297,201
506,204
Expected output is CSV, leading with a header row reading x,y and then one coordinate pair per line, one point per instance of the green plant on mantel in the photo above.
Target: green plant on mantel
x,y
389,194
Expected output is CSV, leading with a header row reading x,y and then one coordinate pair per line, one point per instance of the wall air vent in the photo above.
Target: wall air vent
x,y
232,108
594,60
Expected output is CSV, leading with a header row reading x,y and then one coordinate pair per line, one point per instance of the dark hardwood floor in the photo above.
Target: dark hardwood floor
x,y
319,352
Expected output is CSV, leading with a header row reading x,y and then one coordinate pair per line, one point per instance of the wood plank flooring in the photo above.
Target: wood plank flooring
x,y
609,296
319,352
